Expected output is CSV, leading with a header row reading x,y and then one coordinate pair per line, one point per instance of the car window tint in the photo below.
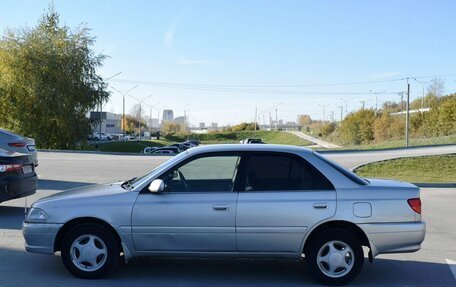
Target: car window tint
x,y
206,174
282,172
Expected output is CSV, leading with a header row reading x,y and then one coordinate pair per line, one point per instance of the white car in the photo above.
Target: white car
x,y
101,137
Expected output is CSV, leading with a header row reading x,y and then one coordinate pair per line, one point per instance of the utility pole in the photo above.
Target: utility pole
x,y
277,121
362,102
407,116
346,104
270,121
341,112
140,113
324,111
255,119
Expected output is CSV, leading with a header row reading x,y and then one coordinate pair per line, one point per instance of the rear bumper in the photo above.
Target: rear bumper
x,y
40,237
16,187
394,237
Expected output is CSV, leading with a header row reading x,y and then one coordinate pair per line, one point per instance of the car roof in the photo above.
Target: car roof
x,y
248,147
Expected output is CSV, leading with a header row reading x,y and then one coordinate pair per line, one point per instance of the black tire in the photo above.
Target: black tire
x,y
319,241
109,240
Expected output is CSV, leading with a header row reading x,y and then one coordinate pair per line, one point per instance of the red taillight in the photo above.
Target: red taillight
x,y
9,167
18,144
415,204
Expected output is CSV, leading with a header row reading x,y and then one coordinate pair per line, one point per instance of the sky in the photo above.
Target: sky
x,y
219,61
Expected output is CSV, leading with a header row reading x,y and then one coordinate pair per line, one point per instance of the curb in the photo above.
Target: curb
x,y
384,149
438,185
99,152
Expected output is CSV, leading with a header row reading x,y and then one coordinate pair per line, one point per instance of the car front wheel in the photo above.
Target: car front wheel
x,y
90,251
334,257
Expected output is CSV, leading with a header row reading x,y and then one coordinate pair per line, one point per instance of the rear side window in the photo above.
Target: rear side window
x,y
267,172
352,176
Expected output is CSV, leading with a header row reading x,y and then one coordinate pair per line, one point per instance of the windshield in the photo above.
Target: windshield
x,y
352,176
132,183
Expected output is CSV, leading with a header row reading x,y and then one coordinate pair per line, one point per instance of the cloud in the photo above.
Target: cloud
x,y
169,35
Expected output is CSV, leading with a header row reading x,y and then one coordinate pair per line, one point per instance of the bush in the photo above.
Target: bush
x,y
358,127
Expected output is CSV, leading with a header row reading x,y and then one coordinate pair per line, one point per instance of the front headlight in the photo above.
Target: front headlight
x,y
37,215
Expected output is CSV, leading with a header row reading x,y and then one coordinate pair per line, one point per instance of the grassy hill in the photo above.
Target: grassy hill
x,y
428,169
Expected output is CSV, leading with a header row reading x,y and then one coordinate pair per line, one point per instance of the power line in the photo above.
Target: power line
x,y
249,91
153,83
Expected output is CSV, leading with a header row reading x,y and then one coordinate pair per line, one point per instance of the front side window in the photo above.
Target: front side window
x,y
282,172
205,174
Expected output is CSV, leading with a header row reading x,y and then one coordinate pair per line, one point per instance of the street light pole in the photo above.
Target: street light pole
x,y
123,107
407,116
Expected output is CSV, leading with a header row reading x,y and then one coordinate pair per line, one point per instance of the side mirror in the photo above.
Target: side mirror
x,y
157,186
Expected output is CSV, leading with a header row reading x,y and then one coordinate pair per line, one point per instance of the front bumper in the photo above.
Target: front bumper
x,y
12,187
40,237
394,237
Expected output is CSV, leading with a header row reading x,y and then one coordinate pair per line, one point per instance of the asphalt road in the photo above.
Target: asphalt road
x,y
60,171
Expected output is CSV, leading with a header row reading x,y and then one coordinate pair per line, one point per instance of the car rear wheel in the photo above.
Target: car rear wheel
x,y
90,251
334,257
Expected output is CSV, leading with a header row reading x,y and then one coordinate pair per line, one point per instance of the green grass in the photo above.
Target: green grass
x,y
401,143
271,137
133,146
423,169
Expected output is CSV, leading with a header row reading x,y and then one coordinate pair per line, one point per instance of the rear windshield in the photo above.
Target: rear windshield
x,y
352,176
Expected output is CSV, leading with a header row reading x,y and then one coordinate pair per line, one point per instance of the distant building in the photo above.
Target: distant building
x,y
180,120
110,122
168,116
202,125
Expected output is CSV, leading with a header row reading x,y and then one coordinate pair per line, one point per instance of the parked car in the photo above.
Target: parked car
x,y
101,137
232,200
149,149
130,138
194,142
167,150
188,145
181,146
163,152
17,175
252,141
18,143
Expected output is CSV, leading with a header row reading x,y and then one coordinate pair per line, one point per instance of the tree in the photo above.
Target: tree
x,y
358,127
387,127
49,82
304,120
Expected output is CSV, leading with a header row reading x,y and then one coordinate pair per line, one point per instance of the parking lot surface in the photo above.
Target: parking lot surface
x,y
431,266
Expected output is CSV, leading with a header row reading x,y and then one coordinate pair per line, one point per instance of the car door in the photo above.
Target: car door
x,y
197,211
281,197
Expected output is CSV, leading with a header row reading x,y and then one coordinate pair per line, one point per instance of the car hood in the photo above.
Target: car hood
x,y
389,183
91,191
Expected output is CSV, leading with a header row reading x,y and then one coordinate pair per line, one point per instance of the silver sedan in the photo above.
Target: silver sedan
x,y
232,200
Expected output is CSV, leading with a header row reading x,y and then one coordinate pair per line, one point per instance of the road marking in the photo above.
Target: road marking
x,y
452,265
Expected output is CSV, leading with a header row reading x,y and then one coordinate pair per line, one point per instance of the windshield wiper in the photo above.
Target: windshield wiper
x,y
127,184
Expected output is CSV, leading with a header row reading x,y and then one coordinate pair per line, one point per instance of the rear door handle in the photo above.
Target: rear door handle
x,y
320,205
221,207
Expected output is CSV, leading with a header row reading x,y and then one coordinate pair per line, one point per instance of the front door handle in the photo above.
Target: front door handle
x,y
320,205
221,207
